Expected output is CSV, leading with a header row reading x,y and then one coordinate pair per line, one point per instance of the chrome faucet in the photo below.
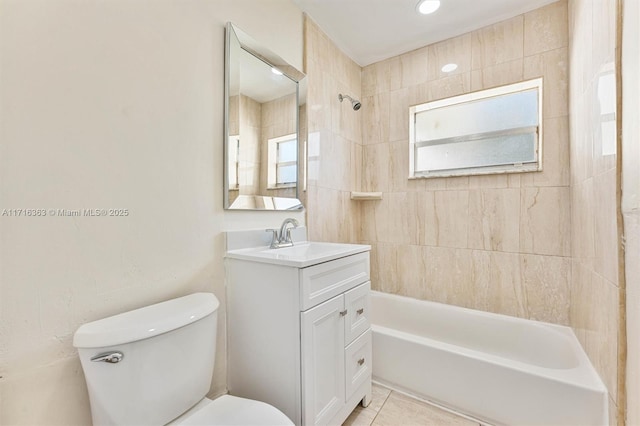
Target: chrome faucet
x,y
282,238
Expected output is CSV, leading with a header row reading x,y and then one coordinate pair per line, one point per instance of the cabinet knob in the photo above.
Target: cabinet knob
x,y
360,311
361,361
343,313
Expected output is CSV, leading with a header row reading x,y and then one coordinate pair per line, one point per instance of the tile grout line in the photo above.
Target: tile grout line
x,y
425,402
381,407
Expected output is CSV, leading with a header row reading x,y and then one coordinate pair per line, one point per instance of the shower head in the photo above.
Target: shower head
x,y
355,104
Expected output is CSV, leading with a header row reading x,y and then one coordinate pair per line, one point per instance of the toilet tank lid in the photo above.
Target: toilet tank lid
x,y
145,322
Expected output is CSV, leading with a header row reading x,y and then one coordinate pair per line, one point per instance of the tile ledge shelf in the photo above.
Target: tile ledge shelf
x,y
364,196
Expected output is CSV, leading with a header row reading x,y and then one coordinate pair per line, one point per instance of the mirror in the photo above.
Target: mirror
x,y
264,100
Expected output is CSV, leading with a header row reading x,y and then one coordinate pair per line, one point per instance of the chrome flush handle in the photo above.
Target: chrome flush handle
x,y
110,357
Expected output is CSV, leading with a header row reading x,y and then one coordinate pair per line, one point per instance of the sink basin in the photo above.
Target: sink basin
x,y
300,255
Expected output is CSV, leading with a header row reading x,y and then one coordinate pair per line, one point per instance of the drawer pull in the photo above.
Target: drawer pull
x,y
343,313
360,311
361,361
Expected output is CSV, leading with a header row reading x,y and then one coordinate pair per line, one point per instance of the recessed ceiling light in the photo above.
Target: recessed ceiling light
x,y
428,6
276,71
449,67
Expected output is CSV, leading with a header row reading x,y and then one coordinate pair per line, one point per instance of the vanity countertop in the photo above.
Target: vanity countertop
x,y
300,255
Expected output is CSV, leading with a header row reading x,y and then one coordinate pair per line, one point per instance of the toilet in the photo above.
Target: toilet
x,y
153,366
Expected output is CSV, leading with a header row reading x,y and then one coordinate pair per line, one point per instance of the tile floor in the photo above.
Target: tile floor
x,y
391,408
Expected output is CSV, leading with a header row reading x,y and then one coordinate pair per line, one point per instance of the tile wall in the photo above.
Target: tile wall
x,y
498,243
251,129
334,141
594,312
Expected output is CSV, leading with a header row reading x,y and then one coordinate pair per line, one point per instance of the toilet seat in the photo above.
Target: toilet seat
x,y
230,410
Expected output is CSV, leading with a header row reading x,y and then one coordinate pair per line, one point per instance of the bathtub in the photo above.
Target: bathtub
x,y
499,369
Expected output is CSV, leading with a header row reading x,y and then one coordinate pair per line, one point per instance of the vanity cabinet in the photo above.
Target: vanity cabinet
x,y
335,364
300,338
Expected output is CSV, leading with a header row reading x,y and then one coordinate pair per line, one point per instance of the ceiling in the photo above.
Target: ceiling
x,y
258,82
372,30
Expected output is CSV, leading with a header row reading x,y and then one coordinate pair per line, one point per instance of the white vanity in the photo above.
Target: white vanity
x,y
299,335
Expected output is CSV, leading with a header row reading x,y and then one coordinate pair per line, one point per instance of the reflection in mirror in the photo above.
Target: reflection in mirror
x,y
263,104
606,104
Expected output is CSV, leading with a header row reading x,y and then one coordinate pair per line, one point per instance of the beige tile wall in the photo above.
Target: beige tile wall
x,y
334,144
594,312
499,243
251,129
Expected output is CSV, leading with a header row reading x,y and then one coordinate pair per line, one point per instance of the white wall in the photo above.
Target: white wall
x,y
631,198
112,104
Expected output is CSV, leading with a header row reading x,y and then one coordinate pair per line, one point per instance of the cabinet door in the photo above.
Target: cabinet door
x,y
323,376
356,302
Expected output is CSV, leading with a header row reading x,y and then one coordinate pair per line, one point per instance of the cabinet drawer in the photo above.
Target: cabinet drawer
x,y
358,363
356,303
326,280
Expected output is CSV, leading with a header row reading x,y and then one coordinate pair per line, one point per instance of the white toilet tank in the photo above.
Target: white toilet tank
x,y
167,357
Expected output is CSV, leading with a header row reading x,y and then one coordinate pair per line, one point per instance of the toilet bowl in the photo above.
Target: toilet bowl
x,y
153,366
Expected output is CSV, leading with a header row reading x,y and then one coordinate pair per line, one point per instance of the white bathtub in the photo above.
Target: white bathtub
x,y
499,369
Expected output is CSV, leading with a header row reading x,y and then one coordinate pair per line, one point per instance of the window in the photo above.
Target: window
x,y
491,131
606,88
233,149
283,162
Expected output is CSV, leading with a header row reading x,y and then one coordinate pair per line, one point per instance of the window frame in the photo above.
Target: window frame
x,y
470,97
234,141
274,164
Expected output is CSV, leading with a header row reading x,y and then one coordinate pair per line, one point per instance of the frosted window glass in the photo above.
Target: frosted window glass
x,y
485,115
282,156
496,130
287,151
479,153
607,103
609,137
287,174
